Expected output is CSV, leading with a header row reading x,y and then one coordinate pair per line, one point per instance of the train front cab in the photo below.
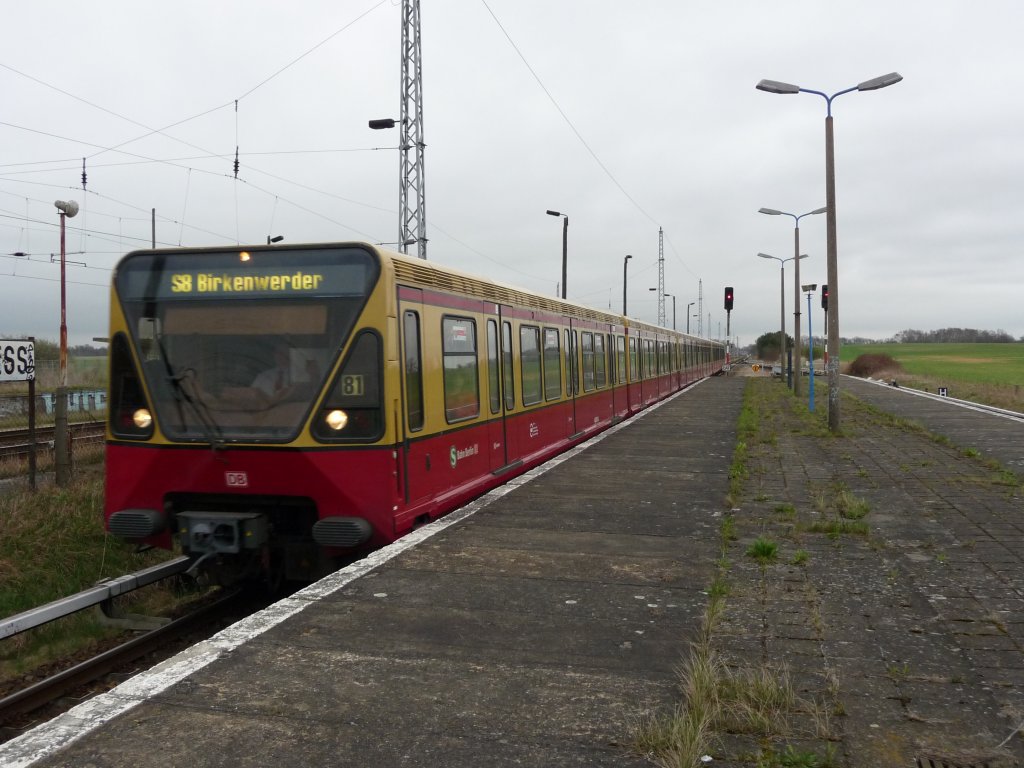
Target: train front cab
x,y
198,457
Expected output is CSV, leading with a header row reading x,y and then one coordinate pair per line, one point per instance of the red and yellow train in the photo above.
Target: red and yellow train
x,y
274,409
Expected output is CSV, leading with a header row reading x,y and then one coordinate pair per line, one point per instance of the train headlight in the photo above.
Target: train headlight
x,y
336,420
142,418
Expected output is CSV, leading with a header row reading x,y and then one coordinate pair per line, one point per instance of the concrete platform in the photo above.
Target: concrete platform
x,y
531,629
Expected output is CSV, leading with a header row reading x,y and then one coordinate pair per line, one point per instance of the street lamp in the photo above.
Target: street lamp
x,y
61,454
782,312
774,86
673,306
688,316
565,244
625,262
810,289
796,285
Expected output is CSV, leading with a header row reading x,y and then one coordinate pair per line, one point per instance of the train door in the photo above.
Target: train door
x,y
620,397
572,378
415,459
497,429
508,385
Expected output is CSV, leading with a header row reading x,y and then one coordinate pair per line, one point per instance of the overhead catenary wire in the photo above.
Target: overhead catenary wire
x,y
151,131
575,131
278,199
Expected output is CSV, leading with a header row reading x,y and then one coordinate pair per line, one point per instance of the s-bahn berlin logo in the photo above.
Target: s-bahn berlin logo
x,y
455,454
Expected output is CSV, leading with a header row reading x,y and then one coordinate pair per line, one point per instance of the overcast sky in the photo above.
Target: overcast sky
x,y
625,116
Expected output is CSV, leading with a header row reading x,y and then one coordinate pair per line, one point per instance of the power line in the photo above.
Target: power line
x,y
565,117
326,40
579,136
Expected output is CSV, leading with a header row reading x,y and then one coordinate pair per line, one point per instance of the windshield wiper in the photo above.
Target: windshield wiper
x,y
194,400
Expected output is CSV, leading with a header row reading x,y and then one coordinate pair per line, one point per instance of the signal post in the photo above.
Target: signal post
x,y
728,317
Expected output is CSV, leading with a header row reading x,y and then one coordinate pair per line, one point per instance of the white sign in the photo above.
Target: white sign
x,y
17,360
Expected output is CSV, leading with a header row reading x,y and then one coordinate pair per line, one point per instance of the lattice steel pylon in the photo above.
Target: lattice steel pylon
x,y
661,277
412,210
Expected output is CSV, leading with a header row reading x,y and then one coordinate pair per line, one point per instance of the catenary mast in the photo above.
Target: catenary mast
x,y
412,227
661,277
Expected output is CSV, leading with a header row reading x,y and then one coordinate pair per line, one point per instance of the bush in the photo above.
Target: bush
x,y
874,364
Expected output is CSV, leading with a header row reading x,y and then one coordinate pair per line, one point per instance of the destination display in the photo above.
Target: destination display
x,y
180,277
266,281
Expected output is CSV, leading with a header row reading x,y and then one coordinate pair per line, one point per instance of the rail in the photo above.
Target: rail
x,y
84,673
102,592
968,404
15,443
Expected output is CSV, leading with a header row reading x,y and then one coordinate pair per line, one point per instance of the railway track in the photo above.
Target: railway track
x,y
968,404
67,687
15,444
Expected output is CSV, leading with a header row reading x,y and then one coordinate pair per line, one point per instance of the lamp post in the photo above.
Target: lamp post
x,y
565,244
810,346
625,262
796,285
61,453
774,86
782,298
688,316
673,306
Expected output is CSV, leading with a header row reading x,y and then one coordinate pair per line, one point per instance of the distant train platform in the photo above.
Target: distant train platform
x,y
537,626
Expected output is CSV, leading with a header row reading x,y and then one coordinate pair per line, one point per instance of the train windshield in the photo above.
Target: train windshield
x,y
236,345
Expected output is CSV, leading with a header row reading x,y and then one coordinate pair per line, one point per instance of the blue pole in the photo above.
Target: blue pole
x,y
810,352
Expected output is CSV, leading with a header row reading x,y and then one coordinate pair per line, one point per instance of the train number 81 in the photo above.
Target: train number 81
x,y
352,385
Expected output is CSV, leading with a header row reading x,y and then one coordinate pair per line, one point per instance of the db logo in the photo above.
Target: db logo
x,y
236,479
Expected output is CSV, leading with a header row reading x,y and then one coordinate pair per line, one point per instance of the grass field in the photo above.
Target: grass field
x,y
990,373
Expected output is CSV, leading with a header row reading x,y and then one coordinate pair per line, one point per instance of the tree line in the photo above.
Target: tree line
x,y
954,336
766,347
50,350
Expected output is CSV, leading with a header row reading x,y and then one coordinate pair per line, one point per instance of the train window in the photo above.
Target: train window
x,y
612,361
552,365
575,362
648,358
352,408
634,370
461,390
529,360
508,376
620,354
493,380
413,371
126,397
600,361
206,326
587,350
